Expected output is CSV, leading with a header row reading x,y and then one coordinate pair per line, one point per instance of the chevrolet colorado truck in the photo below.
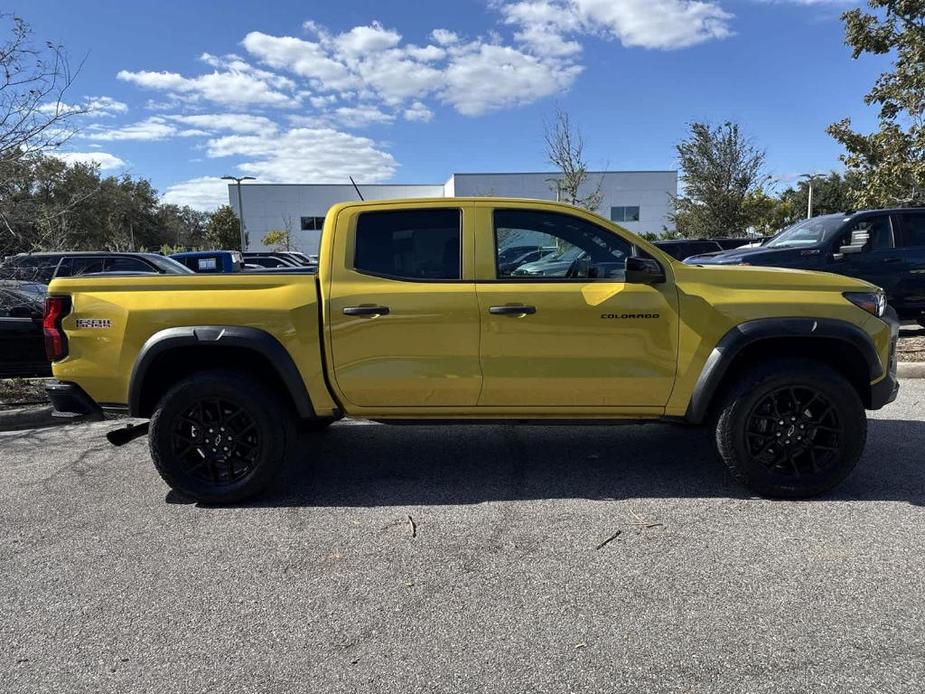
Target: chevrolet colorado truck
x,y
410,319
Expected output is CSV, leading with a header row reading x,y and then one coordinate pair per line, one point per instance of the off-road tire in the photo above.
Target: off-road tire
x,y
767,388
261,411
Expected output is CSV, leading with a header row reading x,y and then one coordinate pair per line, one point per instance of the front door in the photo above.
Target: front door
x,y
567,331
879,262
404,322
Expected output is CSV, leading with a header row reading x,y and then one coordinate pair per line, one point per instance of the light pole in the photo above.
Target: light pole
x,y
809,204
238,180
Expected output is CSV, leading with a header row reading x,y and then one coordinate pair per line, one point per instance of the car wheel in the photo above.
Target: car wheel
x,y
220,437
792,428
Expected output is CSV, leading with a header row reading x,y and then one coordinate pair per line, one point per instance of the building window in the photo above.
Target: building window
x,y
312,223
624,214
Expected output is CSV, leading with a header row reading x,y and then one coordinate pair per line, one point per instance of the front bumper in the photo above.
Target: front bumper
x,y
70,400
886,389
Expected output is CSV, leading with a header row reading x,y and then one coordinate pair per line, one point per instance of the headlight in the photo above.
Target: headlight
x,y
872,302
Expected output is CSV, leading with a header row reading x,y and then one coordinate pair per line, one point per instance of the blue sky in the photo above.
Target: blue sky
x,y
405,91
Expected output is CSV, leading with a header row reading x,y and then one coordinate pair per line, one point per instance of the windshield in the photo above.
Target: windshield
x,y
809,232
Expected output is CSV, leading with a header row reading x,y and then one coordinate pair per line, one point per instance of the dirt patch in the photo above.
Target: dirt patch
x,y
911,345
20,392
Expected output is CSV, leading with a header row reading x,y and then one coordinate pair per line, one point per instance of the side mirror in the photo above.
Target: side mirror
x,y
858,242
644,271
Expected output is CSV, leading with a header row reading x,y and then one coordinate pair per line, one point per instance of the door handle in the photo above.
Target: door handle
x,y
519,310
892,260
366,310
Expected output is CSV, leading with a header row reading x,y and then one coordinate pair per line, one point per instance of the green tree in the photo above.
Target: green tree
x,y
276,239
223,230
890,163
722,180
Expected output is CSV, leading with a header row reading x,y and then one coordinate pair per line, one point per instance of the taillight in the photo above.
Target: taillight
x,y
56,308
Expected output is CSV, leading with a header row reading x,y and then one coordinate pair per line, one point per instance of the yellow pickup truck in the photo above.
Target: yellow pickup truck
x,y
413,316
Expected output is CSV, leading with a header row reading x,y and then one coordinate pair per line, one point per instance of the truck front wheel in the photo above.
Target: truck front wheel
x,y
219,437
791,428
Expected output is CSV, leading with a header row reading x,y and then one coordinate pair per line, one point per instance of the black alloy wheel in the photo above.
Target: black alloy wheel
x,y
217,441
794,431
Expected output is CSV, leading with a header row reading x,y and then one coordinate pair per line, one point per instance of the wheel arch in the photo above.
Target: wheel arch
x,y
839,344
174,353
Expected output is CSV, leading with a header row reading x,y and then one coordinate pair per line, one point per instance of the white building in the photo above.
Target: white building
x,y
638,200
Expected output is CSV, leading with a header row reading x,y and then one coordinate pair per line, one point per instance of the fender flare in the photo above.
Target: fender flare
x,y
218,337
750,332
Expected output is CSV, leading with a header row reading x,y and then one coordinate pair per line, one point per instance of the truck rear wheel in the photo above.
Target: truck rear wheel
x,y
791,428
220,436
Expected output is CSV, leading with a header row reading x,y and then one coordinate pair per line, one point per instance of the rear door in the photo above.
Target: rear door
x,y
402,311
910,289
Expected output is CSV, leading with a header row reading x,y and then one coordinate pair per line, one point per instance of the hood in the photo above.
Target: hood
x,y
738,255
749,276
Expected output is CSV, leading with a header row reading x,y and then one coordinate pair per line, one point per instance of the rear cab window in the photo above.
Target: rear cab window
x,y
414,245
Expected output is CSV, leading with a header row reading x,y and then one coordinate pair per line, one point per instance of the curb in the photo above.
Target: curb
x,y
910,369
37,418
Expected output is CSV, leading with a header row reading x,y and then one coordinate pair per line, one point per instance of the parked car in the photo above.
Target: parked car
x,y
684,248
269,261
507,267
739,242
288,257
555,264
210,261
410,320
883,247
41,267
22,343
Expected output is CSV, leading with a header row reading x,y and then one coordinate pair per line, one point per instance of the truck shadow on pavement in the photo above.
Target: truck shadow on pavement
x,y
356,465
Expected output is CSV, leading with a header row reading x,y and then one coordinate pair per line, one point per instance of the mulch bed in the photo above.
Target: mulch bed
x,y
911,346
22,392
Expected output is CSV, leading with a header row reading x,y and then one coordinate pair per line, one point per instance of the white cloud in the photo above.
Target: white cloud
x,y
663,24
363,40
359,116
307,155
444,37
104,160
418,112
202,193
234,122
96,106
234,83
153,128
493,77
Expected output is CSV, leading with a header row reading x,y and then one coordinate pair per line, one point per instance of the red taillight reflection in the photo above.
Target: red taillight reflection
x,y
56,308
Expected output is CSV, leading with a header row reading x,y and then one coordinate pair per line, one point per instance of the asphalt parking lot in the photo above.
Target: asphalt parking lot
x,y
501,580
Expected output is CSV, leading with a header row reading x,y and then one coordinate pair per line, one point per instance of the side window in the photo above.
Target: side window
x,y
127,265
913,227
575,249
410,244
878,229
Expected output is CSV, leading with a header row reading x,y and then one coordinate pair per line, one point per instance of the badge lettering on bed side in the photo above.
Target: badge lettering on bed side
x,y
94,323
